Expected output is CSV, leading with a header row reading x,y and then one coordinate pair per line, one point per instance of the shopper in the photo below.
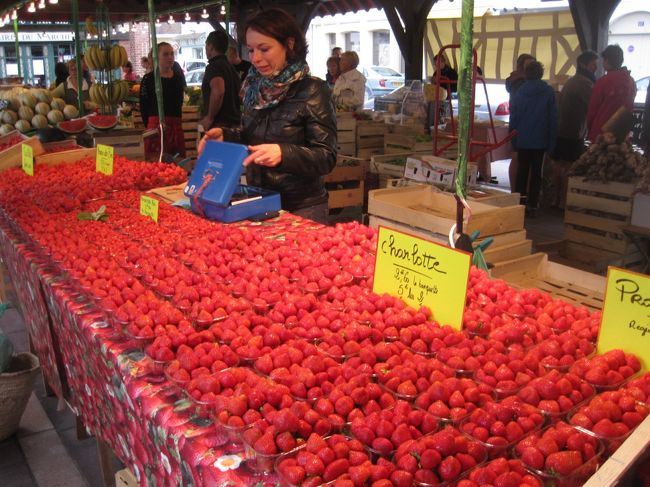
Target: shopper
x,y
288,120
127,72
350,87
534,117
336,52
572,116
221,85
614,90
172,88
448,75
241,65
71,96
145,64
333,71
61,73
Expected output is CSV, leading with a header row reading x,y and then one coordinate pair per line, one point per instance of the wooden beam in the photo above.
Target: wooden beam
x,y
591,21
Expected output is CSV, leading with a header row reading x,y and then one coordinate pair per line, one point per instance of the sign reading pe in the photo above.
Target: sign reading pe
x,y
626,314
422,273
149,207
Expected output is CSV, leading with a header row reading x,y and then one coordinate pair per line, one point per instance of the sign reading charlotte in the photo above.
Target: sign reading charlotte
x,y
422,273
626,314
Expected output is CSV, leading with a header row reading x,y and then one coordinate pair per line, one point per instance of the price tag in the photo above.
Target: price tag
x,y
104,159
423,273
28,159
626,314
149,207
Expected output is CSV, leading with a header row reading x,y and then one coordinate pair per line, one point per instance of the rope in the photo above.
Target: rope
x,y
195,198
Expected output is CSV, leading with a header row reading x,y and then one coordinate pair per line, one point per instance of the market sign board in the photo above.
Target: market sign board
x,y
423,273
28,159
104,159
626,314
149,207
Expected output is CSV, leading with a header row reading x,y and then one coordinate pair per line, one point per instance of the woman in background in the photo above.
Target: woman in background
x,y
127,72
333,71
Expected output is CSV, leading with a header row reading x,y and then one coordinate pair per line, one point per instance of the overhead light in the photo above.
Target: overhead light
x,y
53,2
14,15
113,32
2,22
41,4
187,17
32,8
205,14
171,20
158,21
223,9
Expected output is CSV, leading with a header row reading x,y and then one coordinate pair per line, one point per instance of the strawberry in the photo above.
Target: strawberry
x,y
294,474
450,468
400,478
430,459
335,469
265,444
563,462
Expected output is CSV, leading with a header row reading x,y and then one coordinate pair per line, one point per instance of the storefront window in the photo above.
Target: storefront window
x,y
11,64
331,38
63,53
38,65
380,48
352,42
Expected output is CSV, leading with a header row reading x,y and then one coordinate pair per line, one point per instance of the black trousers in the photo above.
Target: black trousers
x,y
530,163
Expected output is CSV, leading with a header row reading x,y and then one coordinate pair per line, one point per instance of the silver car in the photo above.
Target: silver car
x,y
381,79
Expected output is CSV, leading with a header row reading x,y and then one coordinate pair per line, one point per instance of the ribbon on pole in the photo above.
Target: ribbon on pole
x,y
77,50
156,72
20,70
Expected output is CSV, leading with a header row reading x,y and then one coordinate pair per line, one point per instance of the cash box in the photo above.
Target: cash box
x,y
214,188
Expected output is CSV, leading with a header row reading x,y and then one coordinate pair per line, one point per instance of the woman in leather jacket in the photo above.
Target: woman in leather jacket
x,y
289,122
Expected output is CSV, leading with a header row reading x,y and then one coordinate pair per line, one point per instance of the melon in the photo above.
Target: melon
x,y
55,116
42,108
14,103
73,126
39,121
28,99
59,91
9,116
102,122
43,96
23,125
70,111
25,113
6,128
57,104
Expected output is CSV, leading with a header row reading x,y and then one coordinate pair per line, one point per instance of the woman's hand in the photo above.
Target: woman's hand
x,y
212,134
269,155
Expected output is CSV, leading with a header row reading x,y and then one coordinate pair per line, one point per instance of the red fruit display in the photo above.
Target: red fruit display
x,y
556,393
607,371
452,398
75,126
503,472
102,122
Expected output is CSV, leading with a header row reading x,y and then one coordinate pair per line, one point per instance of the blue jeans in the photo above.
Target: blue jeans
x,y
317,213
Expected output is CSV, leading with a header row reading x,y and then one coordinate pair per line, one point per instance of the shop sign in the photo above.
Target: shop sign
x,y
104,159
28,159
37,37
149,207
422,273
626,314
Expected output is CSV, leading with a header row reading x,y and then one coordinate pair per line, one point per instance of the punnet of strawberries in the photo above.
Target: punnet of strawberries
x,y
274,333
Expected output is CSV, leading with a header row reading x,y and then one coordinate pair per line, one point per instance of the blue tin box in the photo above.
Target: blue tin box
x,y
214,190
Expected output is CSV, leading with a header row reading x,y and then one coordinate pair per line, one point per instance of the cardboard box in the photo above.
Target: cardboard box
x,y
436,170
641,210
124,478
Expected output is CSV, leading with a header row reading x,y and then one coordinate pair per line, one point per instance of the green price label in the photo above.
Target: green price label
x,y
28,159
149,207
104,159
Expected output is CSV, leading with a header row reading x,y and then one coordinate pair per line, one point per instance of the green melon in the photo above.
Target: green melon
x,y
43,96
70,111
25,113
55,116
28,99
42,108
9,116
14,103
39,121
23,125
57,104
6,128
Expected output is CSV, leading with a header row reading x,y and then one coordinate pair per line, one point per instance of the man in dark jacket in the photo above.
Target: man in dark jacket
x,y
534,116
220,86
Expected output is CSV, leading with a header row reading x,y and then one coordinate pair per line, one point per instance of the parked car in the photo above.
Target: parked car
x,y
499,103
641,90
382,79
192,64
194,77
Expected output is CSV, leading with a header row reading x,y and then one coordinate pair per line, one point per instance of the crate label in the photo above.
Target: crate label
x,y
149,207
28,159
104,159
626,314
422,273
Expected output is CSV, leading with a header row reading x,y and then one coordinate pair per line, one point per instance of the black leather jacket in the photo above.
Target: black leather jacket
x,y
304,125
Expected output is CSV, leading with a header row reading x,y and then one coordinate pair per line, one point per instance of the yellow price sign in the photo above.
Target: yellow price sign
x,y
423,273
104,159
626,314
149,207
28,159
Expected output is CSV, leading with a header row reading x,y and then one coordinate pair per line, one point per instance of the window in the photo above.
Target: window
x,y
352,42
11,63
331,40
198,52
380,48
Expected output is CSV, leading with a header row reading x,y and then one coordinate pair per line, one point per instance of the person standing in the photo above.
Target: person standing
x,y
614,90
72,88
172,87
350,87
127,72
289,122
241,65
221,85
572,117
333,71
336,52
145,64
448,75
534,117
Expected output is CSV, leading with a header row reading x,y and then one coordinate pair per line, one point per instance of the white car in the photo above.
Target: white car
x,y
194,77
192,64
641,90
382,79
499,100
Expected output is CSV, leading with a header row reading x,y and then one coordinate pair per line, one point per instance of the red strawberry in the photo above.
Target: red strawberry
x,y
265,444
563,462
295,474
400,478
335,469
450,468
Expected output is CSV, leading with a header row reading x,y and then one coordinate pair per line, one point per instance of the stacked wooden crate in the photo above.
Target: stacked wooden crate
x,y
370,138
407,138
127,142
346,132
595,213
346,182
191,118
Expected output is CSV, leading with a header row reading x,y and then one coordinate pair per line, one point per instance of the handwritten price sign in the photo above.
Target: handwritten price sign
x,y
423,273
626,314
104,159
28,159
149,207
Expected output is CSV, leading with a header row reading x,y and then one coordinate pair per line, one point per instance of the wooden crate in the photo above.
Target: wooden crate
x,y
370,135
61,146
191,117
345,183
397,143
369,152
589,258
127,143
13,156
560,281
594,215
65,157
124,478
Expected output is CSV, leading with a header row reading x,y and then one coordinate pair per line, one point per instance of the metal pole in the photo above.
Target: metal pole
x,y
20,70
227,4
465,95
156,71
77,52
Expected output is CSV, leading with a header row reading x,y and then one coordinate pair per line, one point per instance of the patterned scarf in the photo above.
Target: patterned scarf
x,y
261,92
